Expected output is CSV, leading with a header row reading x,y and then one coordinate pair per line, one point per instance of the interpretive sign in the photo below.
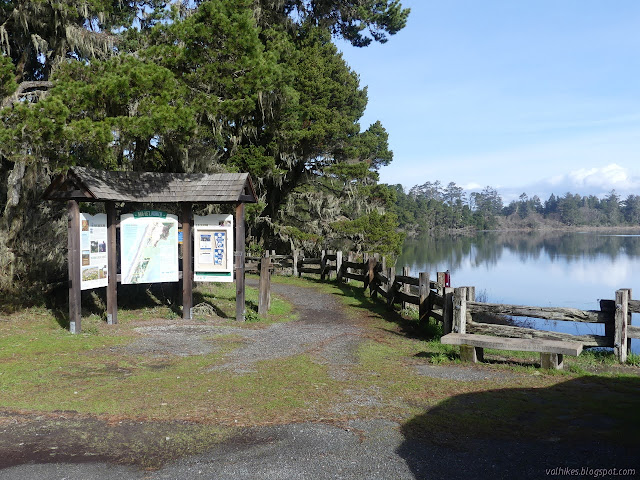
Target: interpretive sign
x,y
213,248
93,251
149,247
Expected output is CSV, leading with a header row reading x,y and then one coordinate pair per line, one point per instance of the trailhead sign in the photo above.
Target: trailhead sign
x,y
149,247
93,251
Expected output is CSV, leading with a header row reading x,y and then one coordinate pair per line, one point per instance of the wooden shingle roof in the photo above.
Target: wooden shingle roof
x,y
91,185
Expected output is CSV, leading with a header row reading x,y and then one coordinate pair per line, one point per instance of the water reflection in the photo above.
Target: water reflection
x,y
487,248
563,269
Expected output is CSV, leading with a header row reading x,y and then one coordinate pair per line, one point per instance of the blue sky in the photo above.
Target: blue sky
x,y
532,96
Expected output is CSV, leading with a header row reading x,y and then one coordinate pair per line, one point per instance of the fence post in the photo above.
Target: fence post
x,y
423,290
440,280
447,310
620,330
391,280
406,288
265,286
295,263
323,264
350,257
628,322
371,276
460,310
339,265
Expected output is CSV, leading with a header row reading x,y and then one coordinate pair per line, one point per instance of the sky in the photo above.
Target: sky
x,y
533,96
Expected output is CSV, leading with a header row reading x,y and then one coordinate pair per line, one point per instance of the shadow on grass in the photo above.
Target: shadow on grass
x,y
589,422
408,327
130,297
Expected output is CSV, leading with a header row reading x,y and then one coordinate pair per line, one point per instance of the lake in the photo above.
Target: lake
x,y
558,269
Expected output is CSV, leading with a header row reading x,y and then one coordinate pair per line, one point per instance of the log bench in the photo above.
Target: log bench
x,y
551,351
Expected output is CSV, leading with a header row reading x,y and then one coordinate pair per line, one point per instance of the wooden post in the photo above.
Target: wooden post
x,y
371,277
628,321
460,310
621,317
187,259
73,259
112,261
265,286
440,279
391,289
423,291
350,257
447,310
295,262
406,288
471,297
323,264
339,265
239,259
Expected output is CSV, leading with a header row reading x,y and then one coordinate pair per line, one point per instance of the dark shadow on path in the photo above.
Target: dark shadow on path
x,y
524,433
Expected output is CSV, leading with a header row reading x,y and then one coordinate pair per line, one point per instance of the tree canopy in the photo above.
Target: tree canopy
x,y
206,86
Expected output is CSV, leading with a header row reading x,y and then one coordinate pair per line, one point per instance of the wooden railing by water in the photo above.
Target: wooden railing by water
x,y
456,308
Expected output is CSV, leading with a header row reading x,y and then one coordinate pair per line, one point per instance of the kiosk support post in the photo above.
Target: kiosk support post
x,y
112,255
239,263
73,260
187,258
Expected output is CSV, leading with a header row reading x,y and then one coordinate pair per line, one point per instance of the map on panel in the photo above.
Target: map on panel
x,y
149,247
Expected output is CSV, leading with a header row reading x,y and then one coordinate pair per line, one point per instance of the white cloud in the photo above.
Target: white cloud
x,y
594,180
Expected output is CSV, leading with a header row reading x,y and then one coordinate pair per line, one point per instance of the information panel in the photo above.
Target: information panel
x,y
149,247
93,251
213,248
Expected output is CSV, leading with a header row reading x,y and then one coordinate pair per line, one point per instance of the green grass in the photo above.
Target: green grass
x,y
43,368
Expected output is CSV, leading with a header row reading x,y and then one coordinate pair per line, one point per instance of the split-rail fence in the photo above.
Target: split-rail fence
x,y
456,308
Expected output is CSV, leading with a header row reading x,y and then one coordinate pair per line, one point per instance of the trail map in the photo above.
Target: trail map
x,y
149,247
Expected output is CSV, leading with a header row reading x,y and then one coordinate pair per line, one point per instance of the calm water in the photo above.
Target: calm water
x,y
539,268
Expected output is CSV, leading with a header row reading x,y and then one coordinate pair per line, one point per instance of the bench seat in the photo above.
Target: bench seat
x,y
551,351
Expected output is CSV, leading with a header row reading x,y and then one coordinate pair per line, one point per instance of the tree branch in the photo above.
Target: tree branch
x,y
27,89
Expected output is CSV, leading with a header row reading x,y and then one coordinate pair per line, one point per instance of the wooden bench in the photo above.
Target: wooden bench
x,y
551,351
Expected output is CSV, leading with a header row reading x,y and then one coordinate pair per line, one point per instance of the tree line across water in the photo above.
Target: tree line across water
x,y
432,207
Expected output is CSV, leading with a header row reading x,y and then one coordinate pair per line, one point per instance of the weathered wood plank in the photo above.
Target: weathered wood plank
x,y
354,276
519,344
311,261
437,316
437,300
407,280
317,271
548,313
509,331
354,265
633,332
407,298
634,306
381,291
381,278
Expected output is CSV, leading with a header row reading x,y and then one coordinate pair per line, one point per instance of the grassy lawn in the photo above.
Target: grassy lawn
x,y
45,369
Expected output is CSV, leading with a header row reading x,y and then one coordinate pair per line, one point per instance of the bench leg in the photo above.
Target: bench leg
x,y
552,361
471,354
